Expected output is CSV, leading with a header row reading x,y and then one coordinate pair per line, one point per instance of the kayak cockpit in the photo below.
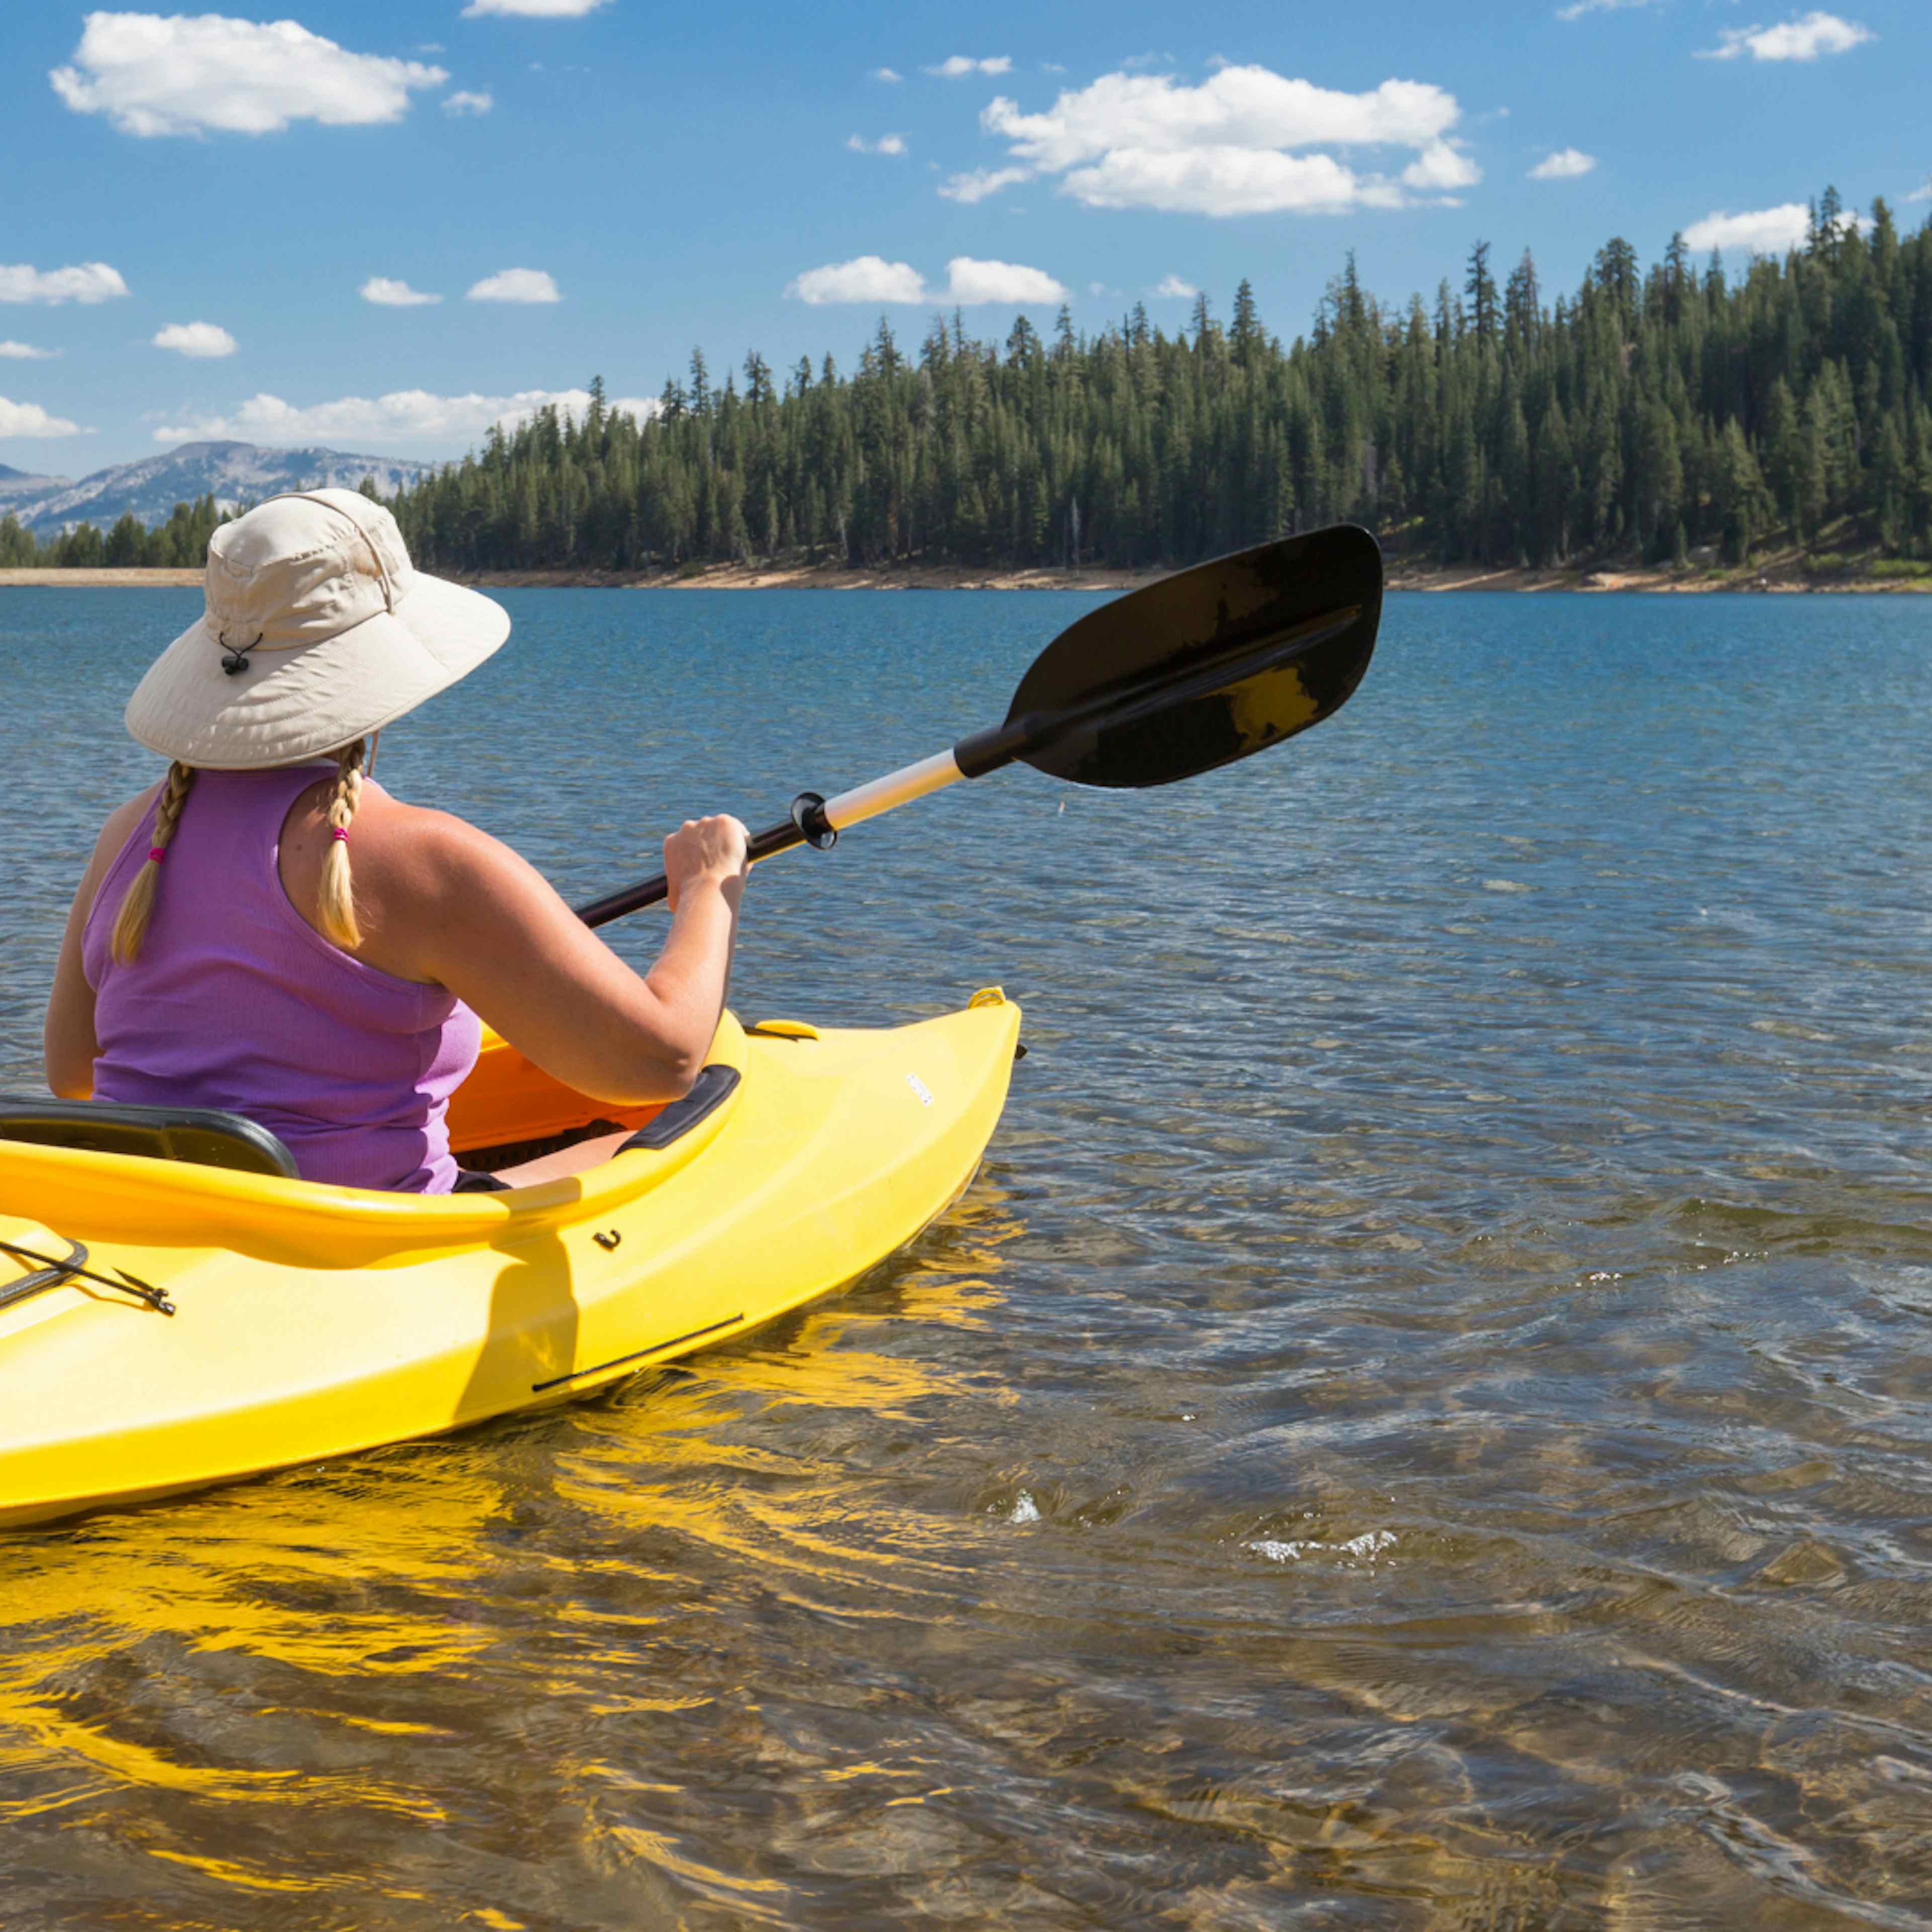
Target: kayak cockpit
x,y
115,1197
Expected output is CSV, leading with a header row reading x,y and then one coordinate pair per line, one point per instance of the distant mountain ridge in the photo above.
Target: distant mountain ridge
x,y
232,472
16,483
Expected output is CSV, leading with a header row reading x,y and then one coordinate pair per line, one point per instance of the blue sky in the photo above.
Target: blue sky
x,y
204,211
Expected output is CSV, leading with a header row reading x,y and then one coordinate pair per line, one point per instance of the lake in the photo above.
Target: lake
x,y
1424,1418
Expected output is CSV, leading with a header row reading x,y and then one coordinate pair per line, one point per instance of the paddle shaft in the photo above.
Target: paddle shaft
x,y
818,821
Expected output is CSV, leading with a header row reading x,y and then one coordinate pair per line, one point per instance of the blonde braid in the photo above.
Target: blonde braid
x,y
137,902
335,901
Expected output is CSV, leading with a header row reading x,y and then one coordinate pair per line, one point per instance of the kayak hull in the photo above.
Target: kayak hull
x,y
313,1322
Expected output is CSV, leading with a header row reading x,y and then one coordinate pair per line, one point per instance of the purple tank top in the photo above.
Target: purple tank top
x,y
236,1001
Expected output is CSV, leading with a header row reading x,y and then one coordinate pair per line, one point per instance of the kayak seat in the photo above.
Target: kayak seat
x,y
205,1135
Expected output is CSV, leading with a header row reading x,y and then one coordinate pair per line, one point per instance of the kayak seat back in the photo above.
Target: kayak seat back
x,y
205,1136
708,1092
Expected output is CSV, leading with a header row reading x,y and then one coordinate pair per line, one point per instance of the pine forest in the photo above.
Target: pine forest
x,y
1651,414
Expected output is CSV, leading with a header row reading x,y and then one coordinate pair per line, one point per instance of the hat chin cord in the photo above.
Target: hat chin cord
x,y
235,659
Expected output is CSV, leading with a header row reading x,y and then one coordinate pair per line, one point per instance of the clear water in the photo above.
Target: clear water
x,y
1423,1419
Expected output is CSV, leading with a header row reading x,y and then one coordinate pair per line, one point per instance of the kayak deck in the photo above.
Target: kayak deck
x,y
315,1321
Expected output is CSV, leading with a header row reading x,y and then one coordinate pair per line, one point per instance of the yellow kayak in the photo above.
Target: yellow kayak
x,y
309,1322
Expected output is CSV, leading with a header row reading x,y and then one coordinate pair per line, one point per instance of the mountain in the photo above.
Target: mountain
x,y
232,473
16,483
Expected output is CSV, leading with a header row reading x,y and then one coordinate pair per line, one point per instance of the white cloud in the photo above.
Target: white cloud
x,y
865,278
186,74
1172,287
870,278
956,67
886,74
1578,8
1921,193
202,340
89,283
1565,164
1799,39
386,293
534,10
1227,146
414,416
886,144
982,182
25,352
1769,231
1440,167
30,419
968,282
516,285
464,102
1226,182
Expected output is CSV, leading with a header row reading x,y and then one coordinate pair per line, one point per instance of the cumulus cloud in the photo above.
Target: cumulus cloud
x,y
865,278
414,416
1173,288
203,340
1768,231
1231,145
464,102
1924,194
88,283
886,74
956,67
981,182
1565,164
870,278
386,293
886,144
188,74
25,352
968,282
1440,168
30,419
1578,8
516,285
534,10
1804,39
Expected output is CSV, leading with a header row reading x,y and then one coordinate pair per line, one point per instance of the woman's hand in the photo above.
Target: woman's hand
x,y
701,849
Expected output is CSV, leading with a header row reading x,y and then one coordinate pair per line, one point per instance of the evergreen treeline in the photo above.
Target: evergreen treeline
x,y
181,542
1648,412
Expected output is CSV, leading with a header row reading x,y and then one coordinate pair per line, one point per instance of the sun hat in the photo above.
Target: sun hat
x,y
317,631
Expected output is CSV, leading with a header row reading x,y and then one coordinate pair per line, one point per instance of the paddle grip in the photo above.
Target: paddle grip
x,y
775,839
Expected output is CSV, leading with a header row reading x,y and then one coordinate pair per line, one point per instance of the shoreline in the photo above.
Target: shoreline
x,y
1780,576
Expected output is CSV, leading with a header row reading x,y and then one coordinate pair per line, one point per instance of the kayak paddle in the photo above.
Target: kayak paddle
x,y
1201,668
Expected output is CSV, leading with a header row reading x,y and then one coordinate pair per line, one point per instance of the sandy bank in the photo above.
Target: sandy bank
x,y
1782,577
104,579
819,576
1781,574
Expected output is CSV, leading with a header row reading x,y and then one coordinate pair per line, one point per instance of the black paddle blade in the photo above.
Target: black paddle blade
x,y
1206,666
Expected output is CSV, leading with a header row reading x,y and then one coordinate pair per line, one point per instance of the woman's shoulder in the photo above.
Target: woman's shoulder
x,y
431,860
402,832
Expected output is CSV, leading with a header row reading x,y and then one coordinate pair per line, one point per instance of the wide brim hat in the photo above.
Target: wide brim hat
x,y
317,630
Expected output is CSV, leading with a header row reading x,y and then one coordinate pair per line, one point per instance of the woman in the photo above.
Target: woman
x,y
224,949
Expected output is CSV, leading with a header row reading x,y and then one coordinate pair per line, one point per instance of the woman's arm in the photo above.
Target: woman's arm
x,y
452,904
69,1046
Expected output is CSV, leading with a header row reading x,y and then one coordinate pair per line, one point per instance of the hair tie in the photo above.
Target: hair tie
x,y
156,854
339,832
